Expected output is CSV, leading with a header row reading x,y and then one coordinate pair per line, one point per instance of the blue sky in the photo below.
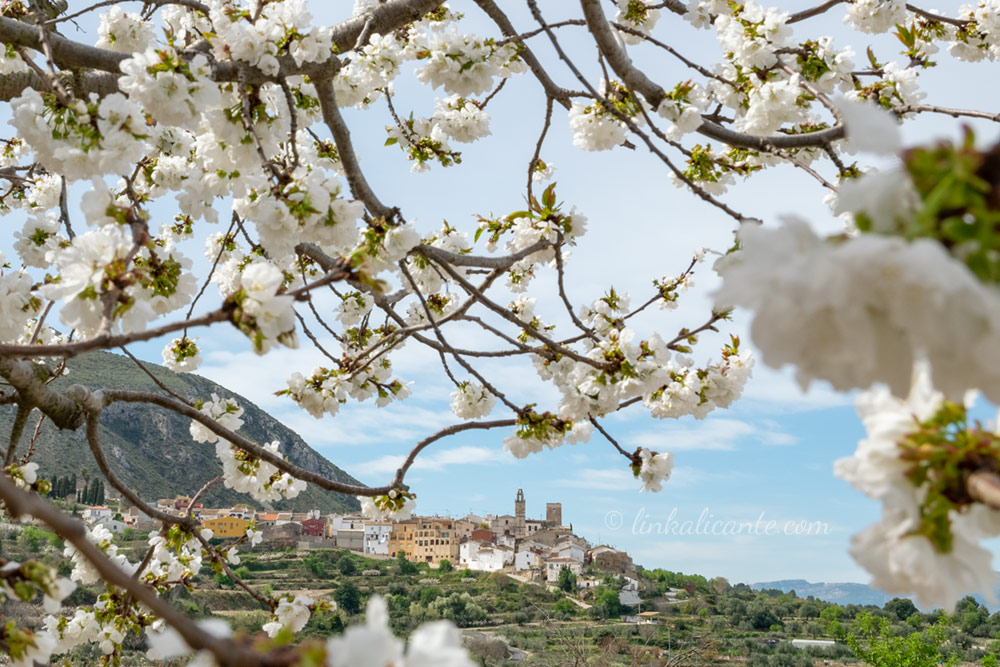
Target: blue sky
x,y
768,458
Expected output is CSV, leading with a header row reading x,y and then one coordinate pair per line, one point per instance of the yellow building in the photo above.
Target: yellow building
x,y
401,538
227,526
435,540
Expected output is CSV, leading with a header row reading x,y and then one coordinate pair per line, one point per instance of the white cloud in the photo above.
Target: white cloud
x,y
601,479
713,434
621,479
438,460
777,392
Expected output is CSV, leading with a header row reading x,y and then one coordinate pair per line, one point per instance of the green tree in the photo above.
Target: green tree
x,y
445,565
566,581
314,565
31,538
429,594
564,606
606,603
348,598
404,566
346,566
874,644
761,615
900,608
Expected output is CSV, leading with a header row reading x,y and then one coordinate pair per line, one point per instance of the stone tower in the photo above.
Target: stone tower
x,y
553,514
519,505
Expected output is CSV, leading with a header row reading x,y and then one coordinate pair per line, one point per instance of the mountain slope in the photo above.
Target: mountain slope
x,y
840,593
150,448
850,593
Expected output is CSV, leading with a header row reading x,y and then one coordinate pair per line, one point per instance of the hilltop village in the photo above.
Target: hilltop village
x,y
491,543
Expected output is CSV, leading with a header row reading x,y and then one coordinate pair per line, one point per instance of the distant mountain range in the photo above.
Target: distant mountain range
x,y
151,449
840,593
845,593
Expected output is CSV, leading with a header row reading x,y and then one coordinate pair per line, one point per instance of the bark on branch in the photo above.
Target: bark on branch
x,y
345,149
124,396
637,81
21,503
65,408
985,487
107,341
70,55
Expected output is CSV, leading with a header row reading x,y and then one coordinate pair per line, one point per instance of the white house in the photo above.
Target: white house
x,y
467,551
487,559
506,540
377,537
96,514
555,565
527,559
587,583
346,522
484,557
116,527
567,549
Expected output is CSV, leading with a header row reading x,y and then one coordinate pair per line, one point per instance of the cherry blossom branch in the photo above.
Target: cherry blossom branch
x,y
397,481
697,189
192,4
100,83
954,113
345,149
961,23
513,319
34,439
224,650
63,408
707,326
560,277
533,164
125,396
813,11
707,73
224,564
312,337
501,263
150,375
507,30
67,54
16,430
211,270
636,80
94,440
607,436
204,489
385,18
440,336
